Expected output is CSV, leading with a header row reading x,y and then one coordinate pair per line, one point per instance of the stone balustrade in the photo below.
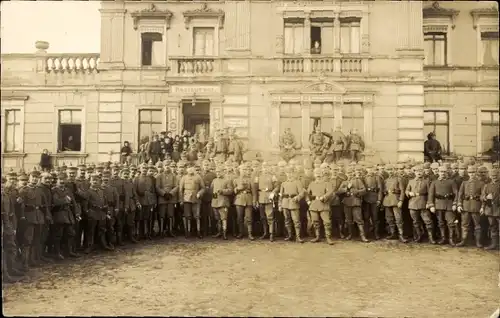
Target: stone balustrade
x,y
194,65
71,63
324,64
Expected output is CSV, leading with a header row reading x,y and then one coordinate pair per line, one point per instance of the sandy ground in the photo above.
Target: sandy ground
x,y
238,278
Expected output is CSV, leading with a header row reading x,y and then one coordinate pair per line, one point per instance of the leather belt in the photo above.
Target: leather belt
x,y
472,198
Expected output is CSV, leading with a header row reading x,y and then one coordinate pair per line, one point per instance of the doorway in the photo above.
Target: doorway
x,y
196,118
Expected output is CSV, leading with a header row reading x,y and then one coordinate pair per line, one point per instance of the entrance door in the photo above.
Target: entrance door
x,y
197,119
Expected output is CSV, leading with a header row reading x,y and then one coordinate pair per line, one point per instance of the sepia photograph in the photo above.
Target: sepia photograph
x,y
250,158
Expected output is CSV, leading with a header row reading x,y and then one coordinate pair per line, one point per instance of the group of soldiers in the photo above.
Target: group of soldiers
x,y
49,216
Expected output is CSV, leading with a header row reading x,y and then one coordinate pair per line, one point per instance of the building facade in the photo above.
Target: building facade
x,y
393,70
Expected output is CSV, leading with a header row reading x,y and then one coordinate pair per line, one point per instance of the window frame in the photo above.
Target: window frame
x,y
145,35
481,46
350,22
484,20
440,25
448,125
138,110
445,40
193,46
4,123
14,103
298,139
152,27
479,130
294,23
56,125
204,23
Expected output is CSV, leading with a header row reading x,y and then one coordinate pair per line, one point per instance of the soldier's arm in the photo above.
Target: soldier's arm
x,y
58,198
361,190
202,186
380,187
431,194
343,188
228,188
409,188
300,190
401,187
460,196
484,193
255,189
181,189
277,185
159,185
175,189
47,209
116,196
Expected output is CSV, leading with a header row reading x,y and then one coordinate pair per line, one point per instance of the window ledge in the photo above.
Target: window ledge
x,y
14,154
70,154
463,68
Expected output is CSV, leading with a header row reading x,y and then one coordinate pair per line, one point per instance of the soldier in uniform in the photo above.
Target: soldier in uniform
x,y
83,185
338,144
130,205
291,192
244,201
117,182
221,188
166,187
220,146
434,171
191,188
264,192
65,216
317,143
45,185
112,200
318,195
206,210
288,145
144,188
235,148
353,191
417,191
355,145
490,207
336,207
97,214
372,200
394,193
469,205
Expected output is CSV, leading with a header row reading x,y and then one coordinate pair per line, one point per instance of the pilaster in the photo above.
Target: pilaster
x,y
415,22
365,32
238,25
336,33
173,116
307,33
275,118
216,115
306,114
112,36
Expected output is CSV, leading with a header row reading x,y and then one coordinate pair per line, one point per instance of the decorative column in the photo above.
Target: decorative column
x,y
365,33
275,118
280,22
337,113
336,33
306,114
307,33
368,121
402,8
173,118
112,34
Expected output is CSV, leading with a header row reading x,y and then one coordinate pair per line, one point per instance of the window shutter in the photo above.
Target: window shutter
x,y
158,57
344,38
199,42
327,40
289,39
209,42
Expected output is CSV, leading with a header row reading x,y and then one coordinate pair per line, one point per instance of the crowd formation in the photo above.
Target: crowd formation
x,y
48,216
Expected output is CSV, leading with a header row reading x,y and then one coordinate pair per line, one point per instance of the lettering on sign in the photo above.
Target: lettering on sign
x,y
195,89
235,122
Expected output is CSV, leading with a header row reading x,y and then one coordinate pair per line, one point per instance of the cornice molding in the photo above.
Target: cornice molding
x,y
478,14
436,11
6,96
204,12
151,13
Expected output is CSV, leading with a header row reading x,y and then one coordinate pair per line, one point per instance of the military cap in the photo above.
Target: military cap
x,y
446,165
418,168
23,177
434,165
219,169
282,163
359,168
125,170
471,169
72,168
61,176
172,164
482,169
82,166
95,176
133,167
462,165
12,174
317,171
454,165
427,165
100,167
47,174
289,169
400,166
4,179
115,165
35,173
105,177
408,166
442,169
324,165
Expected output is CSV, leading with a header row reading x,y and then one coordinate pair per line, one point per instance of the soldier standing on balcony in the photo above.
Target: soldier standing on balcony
x,y
288,145
355,145
317,143
338,144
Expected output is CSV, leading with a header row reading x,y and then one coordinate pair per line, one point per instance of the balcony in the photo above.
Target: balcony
x,y
325,64
69,63
195,65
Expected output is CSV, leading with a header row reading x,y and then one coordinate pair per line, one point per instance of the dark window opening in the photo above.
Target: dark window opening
x,y
315,37
147,40
70,136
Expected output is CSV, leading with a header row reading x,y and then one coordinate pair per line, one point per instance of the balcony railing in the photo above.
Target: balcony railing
x,y
344,65
70,63
195,65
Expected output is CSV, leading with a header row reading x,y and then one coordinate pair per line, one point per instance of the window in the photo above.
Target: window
x,y
322,32
203,41
150,122
322,115
291,117
294,37
489,41
350,37
489,128
439,123
12,130
152,49
435,48
70,130
352,117
315,37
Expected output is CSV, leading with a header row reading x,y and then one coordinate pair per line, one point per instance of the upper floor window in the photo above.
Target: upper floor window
x,y
321,36
70,130
435,48
152,49
489,128
322,115
350,37
203,41
294,36
438,121
12,131
489,41
291,117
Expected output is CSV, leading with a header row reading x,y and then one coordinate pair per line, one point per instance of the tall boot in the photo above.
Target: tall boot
x,y
8,279
451,233
219,230
494,242
249,230
241,227
72,248
163,228
32,257
362,233
288,233
430,234
376,230
171,227
185,223
465,233
264,229
298,238
271,230
137,225
417,235
341,231
477,236
316,234
198,228
442,231
402,238
119,237
392,233
10,267
224,229
57,251
350,227
25,257
104,244
147,227
131,236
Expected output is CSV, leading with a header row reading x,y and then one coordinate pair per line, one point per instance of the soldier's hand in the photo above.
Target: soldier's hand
x,y
22,218
460,209
411,194
308,202
271,196
378,203
433,209
116,210
19,200
400,204
481,211
453,208
198,196
78,219
489,196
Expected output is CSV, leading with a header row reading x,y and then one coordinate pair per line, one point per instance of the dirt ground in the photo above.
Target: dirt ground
x,y
241,278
